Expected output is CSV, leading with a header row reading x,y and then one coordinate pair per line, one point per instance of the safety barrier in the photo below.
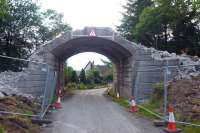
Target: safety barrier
x,y
168,72
31,79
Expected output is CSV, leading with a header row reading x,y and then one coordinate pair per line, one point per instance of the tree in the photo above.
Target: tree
x,y
107,63
155,21
68,72
186,31
171,25
133,9
109,76
52,25
93,75
82,76
22,30
74,77
3,8
18,31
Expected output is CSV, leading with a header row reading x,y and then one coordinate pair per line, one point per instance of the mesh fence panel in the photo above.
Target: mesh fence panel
x,y
24,78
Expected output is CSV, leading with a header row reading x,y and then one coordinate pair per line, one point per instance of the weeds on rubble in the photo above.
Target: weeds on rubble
x,y
10,123
17,124
155,103
2,130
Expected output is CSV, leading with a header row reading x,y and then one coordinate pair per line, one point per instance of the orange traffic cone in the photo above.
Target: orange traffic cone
x,y
57,104
171,127
133,105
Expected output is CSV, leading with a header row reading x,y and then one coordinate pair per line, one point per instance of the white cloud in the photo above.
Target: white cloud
x,y
81,13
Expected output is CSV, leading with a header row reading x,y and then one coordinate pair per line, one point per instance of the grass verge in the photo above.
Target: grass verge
x,y
153,107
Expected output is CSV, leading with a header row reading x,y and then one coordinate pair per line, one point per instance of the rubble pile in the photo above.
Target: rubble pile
x,y
185,96
8,82
188,67
19,104
37,56
18,124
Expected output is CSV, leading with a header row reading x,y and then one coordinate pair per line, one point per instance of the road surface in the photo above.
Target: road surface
x,y
91,112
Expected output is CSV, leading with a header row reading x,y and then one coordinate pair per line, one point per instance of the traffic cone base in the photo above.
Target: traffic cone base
x,y
171,131
58,105
134,108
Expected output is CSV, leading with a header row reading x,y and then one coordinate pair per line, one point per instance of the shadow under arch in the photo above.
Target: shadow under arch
x,y
114,51
118,53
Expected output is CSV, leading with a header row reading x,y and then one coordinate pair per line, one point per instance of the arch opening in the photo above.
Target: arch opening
x,y
117,53
89,70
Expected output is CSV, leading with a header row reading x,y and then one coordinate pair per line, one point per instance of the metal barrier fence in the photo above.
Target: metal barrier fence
x,y
167,74
31,79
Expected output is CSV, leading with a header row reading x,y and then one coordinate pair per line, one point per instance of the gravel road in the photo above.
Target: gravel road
x,y
91,112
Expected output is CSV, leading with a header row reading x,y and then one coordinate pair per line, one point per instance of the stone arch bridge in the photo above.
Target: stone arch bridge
x,y
132,61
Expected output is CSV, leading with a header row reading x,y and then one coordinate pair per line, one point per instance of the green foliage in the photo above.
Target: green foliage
x,y
2,129
68,72
71,86
150,106
164,24
23,28
107,63
187,128
122,101
74,77
82,86
3,8
109,76
52,25
190,129
133,9
82,76
154,106
158,93
28,113
93,75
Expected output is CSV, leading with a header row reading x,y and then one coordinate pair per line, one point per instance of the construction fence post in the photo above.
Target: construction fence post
x,y
166,72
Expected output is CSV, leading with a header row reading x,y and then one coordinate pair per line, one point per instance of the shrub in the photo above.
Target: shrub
x,y
82,86
90,86
71,86
158,93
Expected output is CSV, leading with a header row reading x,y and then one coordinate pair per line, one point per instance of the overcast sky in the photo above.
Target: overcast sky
x,y
81,13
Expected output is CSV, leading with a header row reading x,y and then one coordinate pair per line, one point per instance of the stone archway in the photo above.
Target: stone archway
x,y
103,42
132,61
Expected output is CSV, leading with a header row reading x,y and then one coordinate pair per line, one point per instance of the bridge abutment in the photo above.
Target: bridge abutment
x,y
136,69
